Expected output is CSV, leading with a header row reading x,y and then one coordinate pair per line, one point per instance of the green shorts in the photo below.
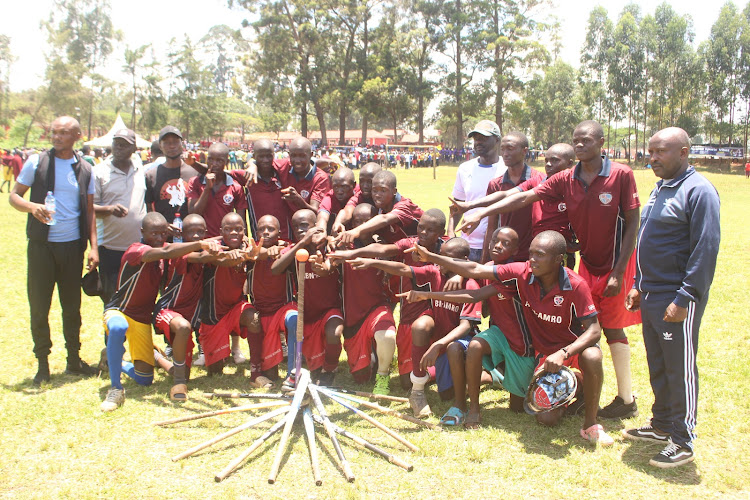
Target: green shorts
x,y
518,369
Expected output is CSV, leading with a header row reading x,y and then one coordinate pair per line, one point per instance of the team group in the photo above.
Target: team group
x,y
234,275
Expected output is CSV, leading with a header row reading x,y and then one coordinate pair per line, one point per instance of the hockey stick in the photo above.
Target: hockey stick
x,y
241,458
327,424
250,395
255,406
310,431
302,381
386,411
300,320
368,394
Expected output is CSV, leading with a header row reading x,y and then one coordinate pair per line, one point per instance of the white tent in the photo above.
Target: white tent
x,y
105,141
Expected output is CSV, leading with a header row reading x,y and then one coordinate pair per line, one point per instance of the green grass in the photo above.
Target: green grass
x,y
57,444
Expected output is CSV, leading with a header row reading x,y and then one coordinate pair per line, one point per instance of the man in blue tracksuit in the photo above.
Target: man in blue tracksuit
x,y
676,257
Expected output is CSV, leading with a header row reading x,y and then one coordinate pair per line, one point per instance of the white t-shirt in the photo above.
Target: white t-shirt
x,y
471,184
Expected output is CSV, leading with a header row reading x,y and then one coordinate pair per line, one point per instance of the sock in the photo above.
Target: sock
x,y
117,326
290,322
417,382
385,347
235,343
333,353
620,351
255,343
417,351
180,373
140,377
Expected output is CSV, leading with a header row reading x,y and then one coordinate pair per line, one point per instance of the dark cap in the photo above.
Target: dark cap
x,y
125,133
486,128
169,129
91,284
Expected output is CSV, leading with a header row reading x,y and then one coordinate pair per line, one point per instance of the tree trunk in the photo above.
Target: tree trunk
x,y
321,115
459,87
363,140
420,105
134,96
365,75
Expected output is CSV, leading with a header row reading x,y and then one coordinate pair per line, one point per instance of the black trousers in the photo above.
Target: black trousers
x,y
109,269
49,264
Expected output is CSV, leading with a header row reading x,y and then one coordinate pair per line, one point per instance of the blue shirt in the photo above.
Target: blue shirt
x,y
66,197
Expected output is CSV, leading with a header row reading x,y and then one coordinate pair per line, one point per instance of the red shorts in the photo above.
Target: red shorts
x,y
571,362
403,345
215,338
272,324
161,323
314,344
359,347
612,312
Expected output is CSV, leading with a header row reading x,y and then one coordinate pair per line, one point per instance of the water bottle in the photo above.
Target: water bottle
x,y
51,206
178,224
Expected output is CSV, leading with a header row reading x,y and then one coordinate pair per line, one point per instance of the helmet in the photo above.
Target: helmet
x,y
548,391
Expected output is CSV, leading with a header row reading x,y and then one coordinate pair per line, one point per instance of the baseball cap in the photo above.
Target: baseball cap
x,y
92,284
125,133
486,128
169,129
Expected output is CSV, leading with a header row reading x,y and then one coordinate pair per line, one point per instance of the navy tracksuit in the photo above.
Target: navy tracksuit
x,y
678,243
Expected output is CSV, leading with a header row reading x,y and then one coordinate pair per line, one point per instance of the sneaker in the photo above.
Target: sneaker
x,y
115,399
200,360
168,352
419,404
238,357
326,378
577,407
646,432
290,382
382,385
673,455
618,409
78,367
42,375
595,434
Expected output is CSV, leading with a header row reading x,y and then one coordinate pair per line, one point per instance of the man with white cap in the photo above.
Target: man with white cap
x,y
474,176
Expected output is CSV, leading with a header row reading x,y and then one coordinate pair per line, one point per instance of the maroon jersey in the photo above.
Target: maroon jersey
x,y
596,212
269,292
222,290
408,215
137,284
447,315
362,291
359,197
554,319
411,311
321,292
312,187
264,198
520,220
506,312
183,291
546,215
229,197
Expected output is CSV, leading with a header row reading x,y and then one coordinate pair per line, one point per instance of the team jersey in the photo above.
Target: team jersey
x,y
554,320
447,315
362,291
183,291
321,292
411,311
359,197
520,220
408,215
264,198
269,292
546,215
596,212
222,290
506,312
137,284
229,197
312,187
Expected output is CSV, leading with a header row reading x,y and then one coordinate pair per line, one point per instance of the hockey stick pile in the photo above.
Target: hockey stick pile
x,y
301,402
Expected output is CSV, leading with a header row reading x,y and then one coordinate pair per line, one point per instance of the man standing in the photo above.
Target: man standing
x,y
305,185
57,241
120,189
157,156
682,217
474,176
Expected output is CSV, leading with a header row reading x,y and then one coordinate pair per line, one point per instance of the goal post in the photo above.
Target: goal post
x,y
432,148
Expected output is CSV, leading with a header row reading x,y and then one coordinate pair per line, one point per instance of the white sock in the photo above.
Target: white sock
x,y
385,348
235,343
418,383
621,360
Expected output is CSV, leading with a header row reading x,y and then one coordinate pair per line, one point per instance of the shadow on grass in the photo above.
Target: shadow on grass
x,y
637,455
57,380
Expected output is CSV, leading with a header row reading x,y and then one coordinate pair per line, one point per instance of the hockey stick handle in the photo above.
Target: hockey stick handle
x,y
302,381
255,406
387,411
241,458
329,429
310,431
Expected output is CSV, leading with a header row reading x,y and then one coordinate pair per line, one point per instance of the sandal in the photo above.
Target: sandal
x,y
453,417
596,435
472,421
178,393
262,382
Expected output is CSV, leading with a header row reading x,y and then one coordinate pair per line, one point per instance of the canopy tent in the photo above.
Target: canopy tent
x,y
105,141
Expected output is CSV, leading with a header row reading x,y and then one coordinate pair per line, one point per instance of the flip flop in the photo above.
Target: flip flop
x,y
453,417
178,393
262,382
473,421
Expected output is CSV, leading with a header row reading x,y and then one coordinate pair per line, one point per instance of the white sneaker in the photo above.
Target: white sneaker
x,y
199,360
239,358
115,398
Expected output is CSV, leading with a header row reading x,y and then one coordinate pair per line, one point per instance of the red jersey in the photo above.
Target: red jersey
x,y
264,198
312,187
408,215
269,292
520,220
321,292
183,291
554,320
596,212
229,197
362,291
222,290
506,312
546,215
359,197
447,315
137,284
411,311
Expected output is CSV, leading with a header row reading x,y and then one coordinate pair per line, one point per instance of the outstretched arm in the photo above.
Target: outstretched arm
x,y
465,268
509,203
389,266
370,251
459,296
174,250
378,222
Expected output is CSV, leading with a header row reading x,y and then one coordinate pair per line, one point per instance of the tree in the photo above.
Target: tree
x,y
132,60
594,61
6,59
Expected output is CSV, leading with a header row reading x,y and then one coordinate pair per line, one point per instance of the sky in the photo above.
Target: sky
x,y
156,22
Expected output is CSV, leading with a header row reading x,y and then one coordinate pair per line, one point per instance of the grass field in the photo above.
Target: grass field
x,y
57,444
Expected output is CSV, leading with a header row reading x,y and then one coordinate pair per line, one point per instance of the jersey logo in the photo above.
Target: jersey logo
x,y
500,296
605,198
72,179
175,191
592,307
561,207
228,199
304,193
558,300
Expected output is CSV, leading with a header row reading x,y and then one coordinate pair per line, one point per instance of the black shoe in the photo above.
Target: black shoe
x,y
326,378
618,409
78,367
42,375
646,432
576,407
673,455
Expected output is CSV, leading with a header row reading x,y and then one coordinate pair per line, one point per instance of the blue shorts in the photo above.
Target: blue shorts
x,y
443,376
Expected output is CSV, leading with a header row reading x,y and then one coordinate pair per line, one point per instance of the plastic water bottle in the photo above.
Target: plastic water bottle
x,y
51,206
178,224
